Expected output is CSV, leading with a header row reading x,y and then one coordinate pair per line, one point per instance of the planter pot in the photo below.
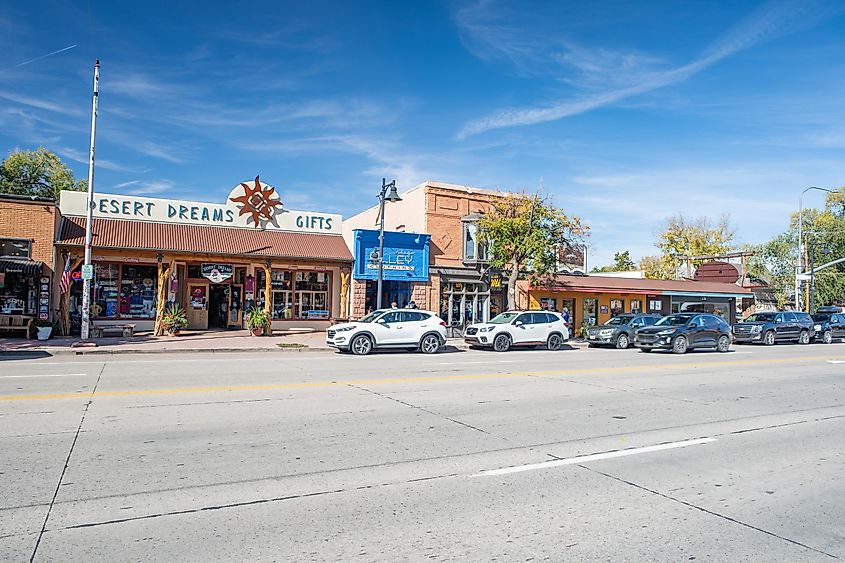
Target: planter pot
x,y
258,331
174,332
44,332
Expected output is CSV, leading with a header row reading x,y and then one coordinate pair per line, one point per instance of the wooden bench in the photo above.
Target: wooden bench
x,y
16,323
126,331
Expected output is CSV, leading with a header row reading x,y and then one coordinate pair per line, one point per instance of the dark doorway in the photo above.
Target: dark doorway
x,y
218,305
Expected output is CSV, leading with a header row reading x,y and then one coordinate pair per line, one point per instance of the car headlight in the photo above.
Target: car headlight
x,y
666,332
486,328
606,332
344,329
756,328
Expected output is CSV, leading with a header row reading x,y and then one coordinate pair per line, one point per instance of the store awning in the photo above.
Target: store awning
x,y
198,239
20,266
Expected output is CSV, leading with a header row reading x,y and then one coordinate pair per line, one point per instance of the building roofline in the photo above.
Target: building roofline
x,y
27,198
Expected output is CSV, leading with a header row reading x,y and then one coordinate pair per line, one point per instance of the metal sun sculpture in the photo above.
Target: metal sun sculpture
x,y
258,201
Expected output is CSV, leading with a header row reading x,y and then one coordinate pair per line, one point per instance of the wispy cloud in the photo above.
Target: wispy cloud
x,y
772,20
82,157
40,103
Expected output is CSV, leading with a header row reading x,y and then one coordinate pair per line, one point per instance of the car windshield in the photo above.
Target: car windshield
x,y
761,318
373,316
503,318
821,318
615,321
674,320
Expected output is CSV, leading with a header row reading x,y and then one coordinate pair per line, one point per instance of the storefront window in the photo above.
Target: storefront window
x,y
464,303
20,248
548,303
636,306
137,292
312,295
591,307
106,277
17,294
617,307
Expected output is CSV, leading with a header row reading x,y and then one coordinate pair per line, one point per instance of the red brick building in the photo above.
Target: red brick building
x,y
27,228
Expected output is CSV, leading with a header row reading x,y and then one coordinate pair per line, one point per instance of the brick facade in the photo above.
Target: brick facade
x,y
32,220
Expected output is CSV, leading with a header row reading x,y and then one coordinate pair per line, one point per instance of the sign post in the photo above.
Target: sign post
x,y
89,215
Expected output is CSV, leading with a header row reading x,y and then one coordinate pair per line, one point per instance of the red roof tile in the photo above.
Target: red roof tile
x,y
173,237
593,284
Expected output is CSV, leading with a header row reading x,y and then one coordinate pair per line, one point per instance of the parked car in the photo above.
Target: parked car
x,y
619,331
519,328
828,326
681,332
770,327
411,329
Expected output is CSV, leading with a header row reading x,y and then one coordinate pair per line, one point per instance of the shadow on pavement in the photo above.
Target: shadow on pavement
x,y
25,355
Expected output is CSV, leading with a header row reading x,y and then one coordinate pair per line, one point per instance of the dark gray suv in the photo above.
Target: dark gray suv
x,y
775,326
619,331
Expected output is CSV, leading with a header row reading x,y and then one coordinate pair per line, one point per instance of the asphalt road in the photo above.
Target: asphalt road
x,y
531,455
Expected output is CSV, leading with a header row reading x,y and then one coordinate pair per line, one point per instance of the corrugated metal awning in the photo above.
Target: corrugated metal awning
x,y
25,266
200,239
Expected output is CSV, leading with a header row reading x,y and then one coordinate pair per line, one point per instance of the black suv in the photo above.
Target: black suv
x,y
619,331
828,326
776,326
684,331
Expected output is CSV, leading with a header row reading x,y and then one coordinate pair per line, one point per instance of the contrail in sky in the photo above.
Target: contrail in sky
x,y
41,57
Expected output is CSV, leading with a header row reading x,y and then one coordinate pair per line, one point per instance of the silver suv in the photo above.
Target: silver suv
x,y
411,329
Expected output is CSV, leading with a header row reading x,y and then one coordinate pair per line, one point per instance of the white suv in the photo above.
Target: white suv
x,y
411,329
519,328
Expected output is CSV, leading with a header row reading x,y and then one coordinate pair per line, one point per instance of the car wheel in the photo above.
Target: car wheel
x,y
769,338
554,342
622,342
430,344
361,345
827,337
724,344
501,343
680,345
804,337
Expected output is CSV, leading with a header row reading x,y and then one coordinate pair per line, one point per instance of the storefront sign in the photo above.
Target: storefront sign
x,y
251,204
405,256
44,300
217,273
496,281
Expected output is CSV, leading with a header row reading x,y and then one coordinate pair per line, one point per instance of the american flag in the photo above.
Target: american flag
x,y
64,283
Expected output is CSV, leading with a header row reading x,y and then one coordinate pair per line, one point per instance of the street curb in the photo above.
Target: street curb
x,y
108,352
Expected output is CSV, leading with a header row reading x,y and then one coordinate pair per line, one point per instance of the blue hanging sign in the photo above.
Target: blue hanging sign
x,y
405,256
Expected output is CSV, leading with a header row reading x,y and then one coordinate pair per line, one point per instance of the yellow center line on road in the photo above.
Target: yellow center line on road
x,y
420,379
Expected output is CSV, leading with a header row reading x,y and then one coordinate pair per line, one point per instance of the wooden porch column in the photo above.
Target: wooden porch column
x,y
163,281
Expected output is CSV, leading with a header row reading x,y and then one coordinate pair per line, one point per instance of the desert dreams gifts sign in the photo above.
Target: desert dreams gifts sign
x,y
251,204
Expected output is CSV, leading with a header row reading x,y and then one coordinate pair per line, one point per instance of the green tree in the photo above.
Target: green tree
x,y
523,232
37,173
621,263
681,237
824,238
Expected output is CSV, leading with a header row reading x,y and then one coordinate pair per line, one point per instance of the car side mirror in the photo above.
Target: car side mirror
x,y
518,323
381,322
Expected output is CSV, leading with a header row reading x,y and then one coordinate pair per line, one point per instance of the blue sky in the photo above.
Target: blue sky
x,y
624,112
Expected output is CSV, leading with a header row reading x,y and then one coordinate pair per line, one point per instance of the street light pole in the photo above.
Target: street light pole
x,y
798,271
387,193
89,213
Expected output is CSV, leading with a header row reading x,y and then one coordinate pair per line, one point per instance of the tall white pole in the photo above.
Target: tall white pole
x,y
89,215
800,253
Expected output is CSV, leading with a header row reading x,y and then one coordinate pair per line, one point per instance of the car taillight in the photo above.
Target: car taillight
x,y
442,323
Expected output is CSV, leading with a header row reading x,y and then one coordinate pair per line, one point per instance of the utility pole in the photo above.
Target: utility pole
x,y
89,215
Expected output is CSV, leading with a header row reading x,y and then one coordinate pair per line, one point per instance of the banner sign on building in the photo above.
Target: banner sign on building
x,y
217,272
251,204
405,256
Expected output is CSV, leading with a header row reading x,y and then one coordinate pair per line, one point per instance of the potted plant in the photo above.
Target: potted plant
x,y
257,320
43,329
174,320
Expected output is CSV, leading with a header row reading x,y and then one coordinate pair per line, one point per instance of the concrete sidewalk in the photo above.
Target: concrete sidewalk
x,y
189,341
